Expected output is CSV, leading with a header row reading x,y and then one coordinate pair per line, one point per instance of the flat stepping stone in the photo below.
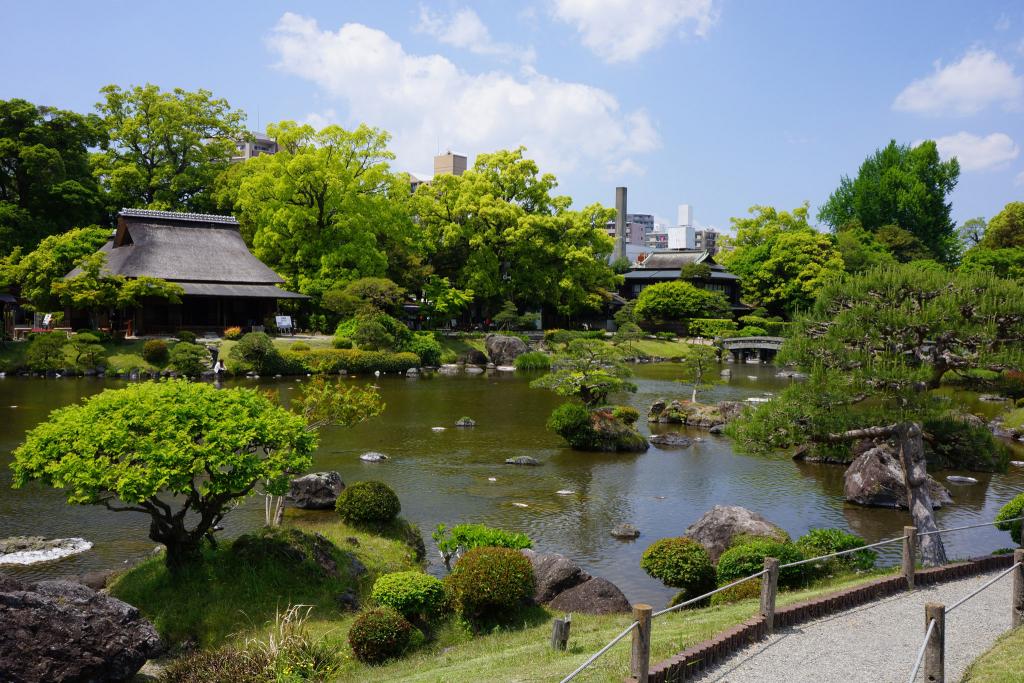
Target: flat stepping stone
x,y
522,460
373,456
625,531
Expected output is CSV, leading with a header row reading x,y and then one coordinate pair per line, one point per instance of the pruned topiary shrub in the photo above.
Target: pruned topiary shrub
x,y
255,351
426,346
628,414
417,596
680,563
368,502
379,634
185,336
1015,508
155,351
189,359
490,582
747,558
817,542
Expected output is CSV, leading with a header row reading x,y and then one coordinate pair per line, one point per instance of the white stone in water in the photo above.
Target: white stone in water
x,y
373,456
757,399
492,479
1015,463
957,479
565,492
437,429
521,505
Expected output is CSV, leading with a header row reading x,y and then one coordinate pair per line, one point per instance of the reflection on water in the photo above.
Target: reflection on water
x,y
444,476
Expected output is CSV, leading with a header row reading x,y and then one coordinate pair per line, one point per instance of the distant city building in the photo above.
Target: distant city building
x,y
416,181
706,240
451,164
260,144
685,215
638,227
657,238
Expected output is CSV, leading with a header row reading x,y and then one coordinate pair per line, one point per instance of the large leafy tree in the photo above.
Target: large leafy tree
x,y
327,208
678,300
999,245
45,182
874,344
182,453
498,230
902,186
36,272
165,148
1006,229
782,261
860,249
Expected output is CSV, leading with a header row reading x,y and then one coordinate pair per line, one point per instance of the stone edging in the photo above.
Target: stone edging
x,y
703,656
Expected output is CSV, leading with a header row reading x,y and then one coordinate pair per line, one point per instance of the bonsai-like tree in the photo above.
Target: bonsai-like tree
x,y
183,453
589,370
627,334
875,343
697,364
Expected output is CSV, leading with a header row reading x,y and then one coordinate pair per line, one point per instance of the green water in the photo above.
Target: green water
x,y
445,476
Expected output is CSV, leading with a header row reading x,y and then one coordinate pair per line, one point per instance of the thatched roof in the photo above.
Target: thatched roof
x,y
202,252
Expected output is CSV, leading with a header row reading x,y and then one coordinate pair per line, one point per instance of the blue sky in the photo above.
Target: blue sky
x,y
719,103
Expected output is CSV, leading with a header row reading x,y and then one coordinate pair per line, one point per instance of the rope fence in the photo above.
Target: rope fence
x,y
640,658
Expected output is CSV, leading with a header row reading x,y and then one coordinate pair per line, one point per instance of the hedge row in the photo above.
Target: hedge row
x,y
350,360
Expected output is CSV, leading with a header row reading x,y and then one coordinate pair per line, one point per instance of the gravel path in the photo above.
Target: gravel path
x,y
878,642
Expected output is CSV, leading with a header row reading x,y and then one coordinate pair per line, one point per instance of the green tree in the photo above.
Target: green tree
x,y
627,334
781,260
1006,229
54,257
678,300
327,208
695,271
498,230
972,231
903,186
1006,263
442,300
860,249
589,370
165,148
698,363
123,449
365,295
88,350
46,185
507,317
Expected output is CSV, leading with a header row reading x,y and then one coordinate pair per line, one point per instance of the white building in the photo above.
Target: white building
x,y
259,144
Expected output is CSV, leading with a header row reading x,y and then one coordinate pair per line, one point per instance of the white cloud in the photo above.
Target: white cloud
x,y
622,30
427,102
978,80
976,153
465,30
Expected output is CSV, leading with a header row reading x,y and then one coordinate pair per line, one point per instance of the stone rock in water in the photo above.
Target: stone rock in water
x,y
1017,463
553,574
875,479
625,531
23,550
59,631
957,479
316,491
597,596
671,440
373,456
522,460
465,422
503,349
716,529
474,357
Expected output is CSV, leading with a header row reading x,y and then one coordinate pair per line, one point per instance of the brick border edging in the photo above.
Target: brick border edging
x,y
703,656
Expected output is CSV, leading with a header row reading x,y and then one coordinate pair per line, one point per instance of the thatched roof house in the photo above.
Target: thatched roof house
x,y
224,284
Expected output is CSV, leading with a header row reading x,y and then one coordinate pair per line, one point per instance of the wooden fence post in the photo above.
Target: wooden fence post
x,y
909,551
1017,594
769,586
640,660
935,650
560,632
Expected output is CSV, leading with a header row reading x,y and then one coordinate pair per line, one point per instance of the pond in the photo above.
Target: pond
x,y
446,476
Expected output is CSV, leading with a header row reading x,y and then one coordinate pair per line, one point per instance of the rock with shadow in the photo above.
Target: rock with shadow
x,y
315,491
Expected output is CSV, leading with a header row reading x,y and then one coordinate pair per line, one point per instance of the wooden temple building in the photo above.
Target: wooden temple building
x,y
224,284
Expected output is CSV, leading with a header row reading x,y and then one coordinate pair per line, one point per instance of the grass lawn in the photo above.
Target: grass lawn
x,y
452,348
1004,663
660,347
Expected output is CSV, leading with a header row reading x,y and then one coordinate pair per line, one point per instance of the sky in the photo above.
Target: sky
x,y
721,104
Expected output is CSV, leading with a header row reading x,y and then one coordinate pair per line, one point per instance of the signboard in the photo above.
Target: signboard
x,y
283,321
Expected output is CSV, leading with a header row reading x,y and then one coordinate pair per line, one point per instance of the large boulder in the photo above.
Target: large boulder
x,y
694,414
719,525
597,596
503,349
875,478
64,631
553,574
474,357
316,491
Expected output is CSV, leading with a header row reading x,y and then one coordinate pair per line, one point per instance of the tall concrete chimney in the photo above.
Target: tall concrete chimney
x,y
620,224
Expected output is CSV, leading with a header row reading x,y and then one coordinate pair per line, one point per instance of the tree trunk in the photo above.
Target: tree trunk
x,y
915,475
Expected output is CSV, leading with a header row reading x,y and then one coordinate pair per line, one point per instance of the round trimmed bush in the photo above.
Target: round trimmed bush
x,y
379,634
748,558
1015,508
424,345
680,563
341,343
155,351
745,591
186,336
817,542
490,581
368,502
189,359
414,595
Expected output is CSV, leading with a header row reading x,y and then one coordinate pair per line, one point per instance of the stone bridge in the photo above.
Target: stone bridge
x,y
748,348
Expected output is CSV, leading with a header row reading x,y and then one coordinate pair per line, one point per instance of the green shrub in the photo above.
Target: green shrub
x,y
372,336
46,351
628,414
342,343
556,336
680,563
665,336
424,345
379,635
744,591
255,351
748,558
571,421
299,346
350,360
487,582
225,665
710,327
463,537
88,350
1015,508
415,595
368,502
817,542
189,359
957,444
533,361
186,336
155,351
751,331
